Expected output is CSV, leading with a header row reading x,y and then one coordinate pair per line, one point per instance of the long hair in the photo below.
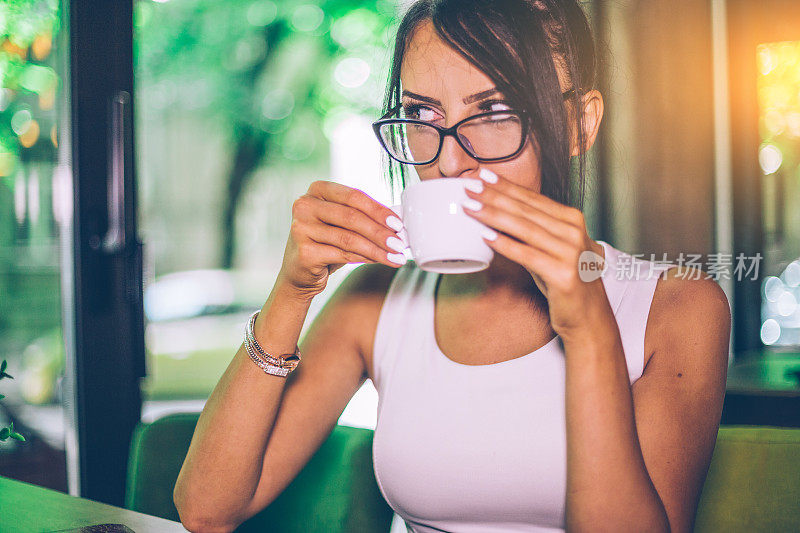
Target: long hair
x,y
517,43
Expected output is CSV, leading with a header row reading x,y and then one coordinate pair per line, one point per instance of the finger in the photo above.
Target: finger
x,y
502,201
531,258
331,255
350,241
352,219
342,194
529,196
523,230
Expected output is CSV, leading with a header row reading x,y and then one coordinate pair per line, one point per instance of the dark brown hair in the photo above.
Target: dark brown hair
x,y
516,44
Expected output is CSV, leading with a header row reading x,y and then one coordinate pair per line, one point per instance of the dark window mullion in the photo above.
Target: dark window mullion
x,y
108,316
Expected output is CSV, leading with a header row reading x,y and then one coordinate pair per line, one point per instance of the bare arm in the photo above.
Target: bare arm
x,y
223,466
257,431
638,457
679,398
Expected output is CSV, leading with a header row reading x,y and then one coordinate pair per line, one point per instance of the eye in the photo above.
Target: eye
x,y
493,105
419,112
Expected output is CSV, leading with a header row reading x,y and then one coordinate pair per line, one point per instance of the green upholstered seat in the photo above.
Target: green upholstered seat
x,y
753,482
335,492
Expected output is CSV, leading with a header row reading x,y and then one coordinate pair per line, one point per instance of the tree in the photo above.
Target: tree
x,y
270,73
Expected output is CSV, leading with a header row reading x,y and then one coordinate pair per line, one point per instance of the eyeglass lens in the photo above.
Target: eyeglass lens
x,y
488,137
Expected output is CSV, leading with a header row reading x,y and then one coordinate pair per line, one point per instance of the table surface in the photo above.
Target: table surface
x,y
29,508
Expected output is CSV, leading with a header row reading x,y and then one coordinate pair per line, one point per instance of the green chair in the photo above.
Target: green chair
x,y
335,492
753,482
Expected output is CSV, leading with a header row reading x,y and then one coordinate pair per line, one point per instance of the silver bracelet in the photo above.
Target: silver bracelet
x,y
281,365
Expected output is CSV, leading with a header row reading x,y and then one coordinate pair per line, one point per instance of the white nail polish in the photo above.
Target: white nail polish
x,y
489,233
400,259
487,175
394,223
403,236
472,204
474,186
395,244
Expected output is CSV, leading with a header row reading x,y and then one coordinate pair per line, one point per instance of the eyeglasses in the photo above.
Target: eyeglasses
x,y
490,136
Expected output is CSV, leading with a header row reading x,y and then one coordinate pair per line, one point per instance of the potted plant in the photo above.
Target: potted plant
x,y
8,432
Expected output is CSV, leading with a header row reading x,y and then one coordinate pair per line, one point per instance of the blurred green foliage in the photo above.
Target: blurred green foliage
x,y
271,74
29,274
28,82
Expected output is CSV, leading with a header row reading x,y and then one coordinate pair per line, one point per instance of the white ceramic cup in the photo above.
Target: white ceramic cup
x,y
441,237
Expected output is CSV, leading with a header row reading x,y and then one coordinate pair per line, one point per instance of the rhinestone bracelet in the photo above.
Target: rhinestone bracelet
x,y
276,366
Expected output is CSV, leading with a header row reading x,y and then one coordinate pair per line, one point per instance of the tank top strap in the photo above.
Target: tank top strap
x,y
630,284
398,322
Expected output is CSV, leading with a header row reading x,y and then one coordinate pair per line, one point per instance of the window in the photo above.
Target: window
x,y
779,159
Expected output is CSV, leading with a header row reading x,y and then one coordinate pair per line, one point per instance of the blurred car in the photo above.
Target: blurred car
x,y
194,325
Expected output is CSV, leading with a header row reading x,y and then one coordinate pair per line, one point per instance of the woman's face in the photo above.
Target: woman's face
x,y
449,88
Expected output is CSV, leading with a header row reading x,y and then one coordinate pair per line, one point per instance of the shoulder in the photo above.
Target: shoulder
x,y
689,298
357,303
367,281
689,316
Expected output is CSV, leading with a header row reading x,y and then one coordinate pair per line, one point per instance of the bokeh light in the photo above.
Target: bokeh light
x,y
770,158
38,79
774,121
787,304
277,104
41,46
261,13
778,91
770,331
773,288
6,96
351,72
31,134
791,275
299,142
7,163
766,61
307,17
793,123
248,51
354,28
21,121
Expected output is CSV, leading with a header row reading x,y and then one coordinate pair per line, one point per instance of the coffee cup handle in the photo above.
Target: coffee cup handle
x,y
398,210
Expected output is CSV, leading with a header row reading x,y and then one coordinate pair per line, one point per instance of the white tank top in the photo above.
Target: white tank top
x,y
482,448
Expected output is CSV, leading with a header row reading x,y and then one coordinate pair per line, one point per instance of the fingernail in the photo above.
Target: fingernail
x,y
403,236
400,259
394,223
472,204
487,175
395,244
489,233
474,186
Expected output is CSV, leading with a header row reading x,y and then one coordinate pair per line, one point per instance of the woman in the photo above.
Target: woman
x,y
519,398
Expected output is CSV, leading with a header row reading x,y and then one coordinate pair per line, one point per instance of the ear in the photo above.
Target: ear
x,y
592,114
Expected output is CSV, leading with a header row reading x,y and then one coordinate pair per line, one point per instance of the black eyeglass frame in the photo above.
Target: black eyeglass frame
x,y
451,131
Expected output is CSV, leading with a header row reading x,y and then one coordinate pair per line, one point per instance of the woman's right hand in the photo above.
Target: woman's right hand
x,y
332,225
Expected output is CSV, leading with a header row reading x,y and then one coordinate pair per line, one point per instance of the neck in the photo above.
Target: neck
x,y
504,278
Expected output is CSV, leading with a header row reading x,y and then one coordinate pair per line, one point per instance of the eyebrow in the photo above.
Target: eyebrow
x,y
467,100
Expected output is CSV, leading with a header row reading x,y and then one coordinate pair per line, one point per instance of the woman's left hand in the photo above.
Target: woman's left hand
x,y
547,238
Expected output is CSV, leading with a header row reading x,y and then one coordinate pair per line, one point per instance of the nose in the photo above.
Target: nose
x,y
453,160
